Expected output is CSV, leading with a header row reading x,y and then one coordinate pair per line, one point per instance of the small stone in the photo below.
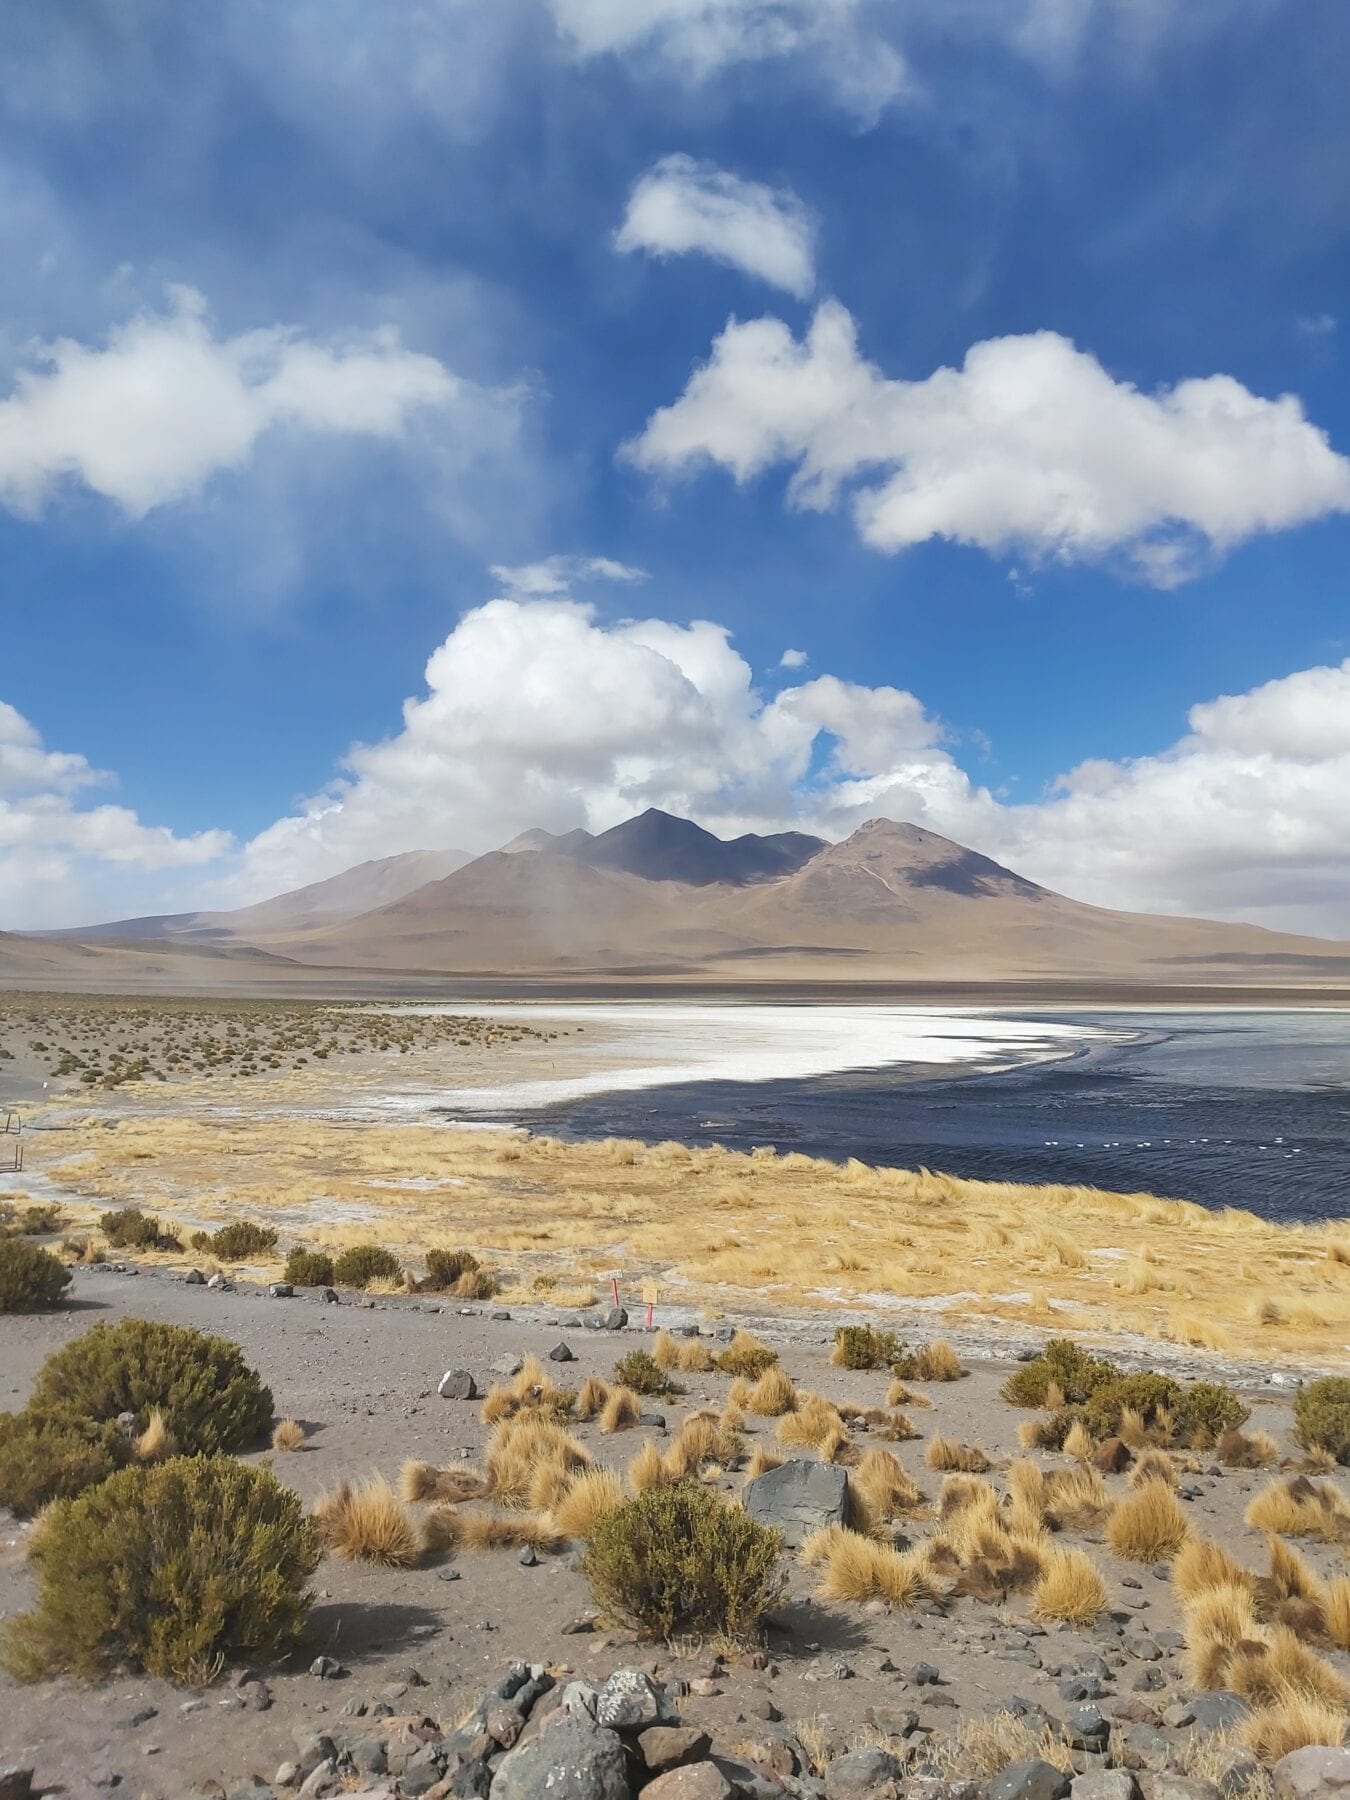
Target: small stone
x,y
1164,1785
1032,1780
219,1283
1086,1729
561,1353
1105,1784
327,1668
288,1773
863,1774
1139,1645
507,1366
571,1759
1148,1680
195,1278
501,1316
666,1747
696,1781
1178,1714
1218,1712
892,1721
1081,1687
528,1558
628,1701
331,1297
924,1675
281,1290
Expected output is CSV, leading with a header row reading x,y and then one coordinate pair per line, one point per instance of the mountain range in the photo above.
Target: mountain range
x,y
660,897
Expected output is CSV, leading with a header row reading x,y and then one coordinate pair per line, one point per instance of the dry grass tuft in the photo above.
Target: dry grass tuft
x,y
946,1453
466,1528
1070,1588
621,1411
1336,1611
367,1522
985,1746
592,1494
1153,1465
1202,1565
700,1444
886,1488
521,1447
934,1362
762,1459
156,1442
533,1389
1246,1450
813,1423
1262,1672
419,1482
1037,1434
772,1395
1079,1444
647,1469
590,1402
1302,1508
1148,1526
288,1434
897,1394
1075,1499
1290,1576
1292,1721
745,1356
860,1569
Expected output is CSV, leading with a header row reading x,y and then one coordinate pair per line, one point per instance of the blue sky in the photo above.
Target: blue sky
x,y
326,327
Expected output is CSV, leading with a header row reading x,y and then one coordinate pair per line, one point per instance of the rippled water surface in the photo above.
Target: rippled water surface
x,y
1227,1108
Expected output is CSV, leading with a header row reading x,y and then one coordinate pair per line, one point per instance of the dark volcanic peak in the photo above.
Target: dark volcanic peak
x,y
659,847
922,858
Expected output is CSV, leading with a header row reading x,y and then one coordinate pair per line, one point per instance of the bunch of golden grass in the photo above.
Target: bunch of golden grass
x,y
897,1394
468,1528
1079,1444
772,1395
1027,1485
1200,1333
590,1496
157,1442
958,1492
836,1447
946,1453
1147,1526
621,1412
647,1469
1215,1621
762,1459
885,1486
590,1402
745,1356
859,1569
420,1482
738,1394
1246,1450
1302,1508
521,1447
700,1444
1070,1589
1290,1576
1336,1611
1075,1499
934,1362
1037,1434
1201,1565
288,1434
688,1355
367,1522
532,1389
985,1746
731,1418
1153,1465
1293,1720
1262,1671
814,1422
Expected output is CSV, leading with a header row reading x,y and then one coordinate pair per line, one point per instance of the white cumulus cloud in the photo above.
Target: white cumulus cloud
x,y
56,851
149,416
682,206
1031,446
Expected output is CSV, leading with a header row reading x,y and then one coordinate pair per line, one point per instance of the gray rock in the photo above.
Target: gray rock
x,y
924,1675
1321,1772
15,1783
1240,1772
219,1283
892,1721
507,1366
312,1748
331,1297
798,1498
195,1278
281,1290
561,1353
1148,1680
288,1773
322,1780
457,1384
571,1759
1178,1714
327,1668
615,1319
1033,1780
1141,1646
1086,1729
1218,1712
1147,1747
1105,1784
864,1774
579,1699
628,1702
1167,1786
528,1559
1081,1687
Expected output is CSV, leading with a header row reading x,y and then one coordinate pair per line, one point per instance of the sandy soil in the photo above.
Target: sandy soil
x,y
363,1375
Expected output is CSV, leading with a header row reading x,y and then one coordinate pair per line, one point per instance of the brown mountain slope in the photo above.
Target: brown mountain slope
x,y
891,902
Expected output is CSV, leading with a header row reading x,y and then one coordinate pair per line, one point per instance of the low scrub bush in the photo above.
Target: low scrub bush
x,y
129,1228
364,1263
241,1240
864,1347
308,1268
1145,1393
1061,1366
676,1562
1205,1410
42,1460
170,1569
210,1398
1322,1416
40,1221
644,1375
31,1279
458,1272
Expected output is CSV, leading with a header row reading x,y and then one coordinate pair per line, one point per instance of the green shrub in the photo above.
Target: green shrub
x,y
365,1263
446,1267
309,1268
53,1459
1145,1393
1204,1410
210,1398
864,1347
31,1279
131,1229
745,1356
1322,1416
679,1562
41,1221
640,1371
1075,1372
241,1240
170,1569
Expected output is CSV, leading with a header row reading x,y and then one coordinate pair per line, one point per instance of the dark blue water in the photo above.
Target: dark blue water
x,y
1229,1109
